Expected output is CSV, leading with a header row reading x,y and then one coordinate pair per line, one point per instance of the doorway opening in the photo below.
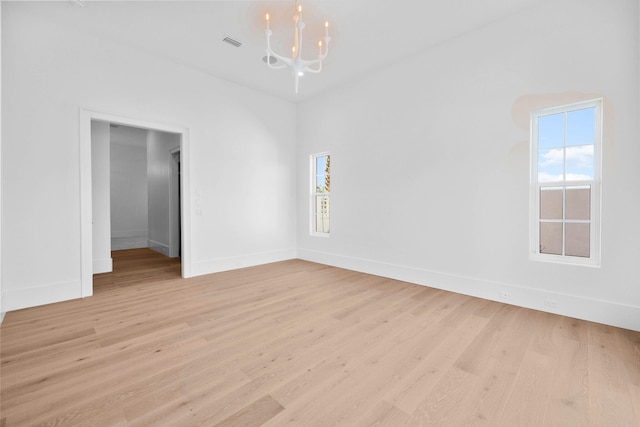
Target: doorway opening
x,y
138,170
165,182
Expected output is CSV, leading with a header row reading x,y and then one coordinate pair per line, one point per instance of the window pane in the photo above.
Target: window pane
x,y
551,238
580,163
321,162
322,223
578,203
577,239
550,165
581,127
551,131
551,203
322,214
320,183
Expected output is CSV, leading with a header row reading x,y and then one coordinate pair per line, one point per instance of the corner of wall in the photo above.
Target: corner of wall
x,y
248,260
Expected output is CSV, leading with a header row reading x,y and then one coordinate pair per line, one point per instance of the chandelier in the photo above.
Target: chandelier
x,y
297,65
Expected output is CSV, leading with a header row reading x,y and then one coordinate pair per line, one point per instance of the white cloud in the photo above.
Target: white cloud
x,y
552,157
581,156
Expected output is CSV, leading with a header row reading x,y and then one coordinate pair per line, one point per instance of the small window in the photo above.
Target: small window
x,y
565,174
320,194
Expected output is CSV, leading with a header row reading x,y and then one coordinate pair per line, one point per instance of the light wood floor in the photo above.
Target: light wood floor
x,y
301,344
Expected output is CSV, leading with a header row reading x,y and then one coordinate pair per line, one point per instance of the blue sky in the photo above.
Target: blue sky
x,y
321,163
576,145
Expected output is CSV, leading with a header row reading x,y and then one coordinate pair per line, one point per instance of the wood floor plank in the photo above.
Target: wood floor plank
x,y
254,414
383,415
628,347
501,367
68,392
531,390
634,391
609,396
363,378
297,343
409,393
441,407
568,394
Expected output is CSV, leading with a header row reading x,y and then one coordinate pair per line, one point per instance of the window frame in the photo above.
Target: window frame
x,y
313,193
596,183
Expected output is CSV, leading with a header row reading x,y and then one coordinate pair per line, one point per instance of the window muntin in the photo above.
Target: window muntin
x,y
566,147
320,194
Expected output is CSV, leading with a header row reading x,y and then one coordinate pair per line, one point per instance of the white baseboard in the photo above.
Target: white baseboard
x,y
40,295
606,312
104,265
158,247
129,239
233,263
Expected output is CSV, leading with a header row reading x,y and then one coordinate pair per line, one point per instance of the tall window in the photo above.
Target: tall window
x,y
320,193
565,174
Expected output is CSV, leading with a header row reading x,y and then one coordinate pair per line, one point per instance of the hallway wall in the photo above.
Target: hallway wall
x,y
159,145
129,204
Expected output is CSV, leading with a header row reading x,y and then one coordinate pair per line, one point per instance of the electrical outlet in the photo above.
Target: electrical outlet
x,y
551,302
505,295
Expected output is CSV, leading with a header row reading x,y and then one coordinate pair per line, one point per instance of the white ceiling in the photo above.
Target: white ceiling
x,y
366,34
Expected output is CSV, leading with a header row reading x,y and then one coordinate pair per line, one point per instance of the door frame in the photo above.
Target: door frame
x,y
174,168
86,217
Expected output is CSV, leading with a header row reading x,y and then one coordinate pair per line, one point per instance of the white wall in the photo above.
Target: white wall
x,y
100,206
129,195
440,140
2,311
159,145
239,139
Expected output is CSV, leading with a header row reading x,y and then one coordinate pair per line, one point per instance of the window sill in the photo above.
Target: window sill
x,y
315,234
559,259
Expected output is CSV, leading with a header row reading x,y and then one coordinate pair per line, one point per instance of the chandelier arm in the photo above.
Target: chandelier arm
x,y
276,67
286,62
320,58
284,59
270,51
273,67
311,70
309,64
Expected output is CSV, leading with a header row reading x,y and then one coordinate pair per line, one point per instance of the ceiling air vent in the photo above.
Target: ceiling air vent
x,y
232,41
